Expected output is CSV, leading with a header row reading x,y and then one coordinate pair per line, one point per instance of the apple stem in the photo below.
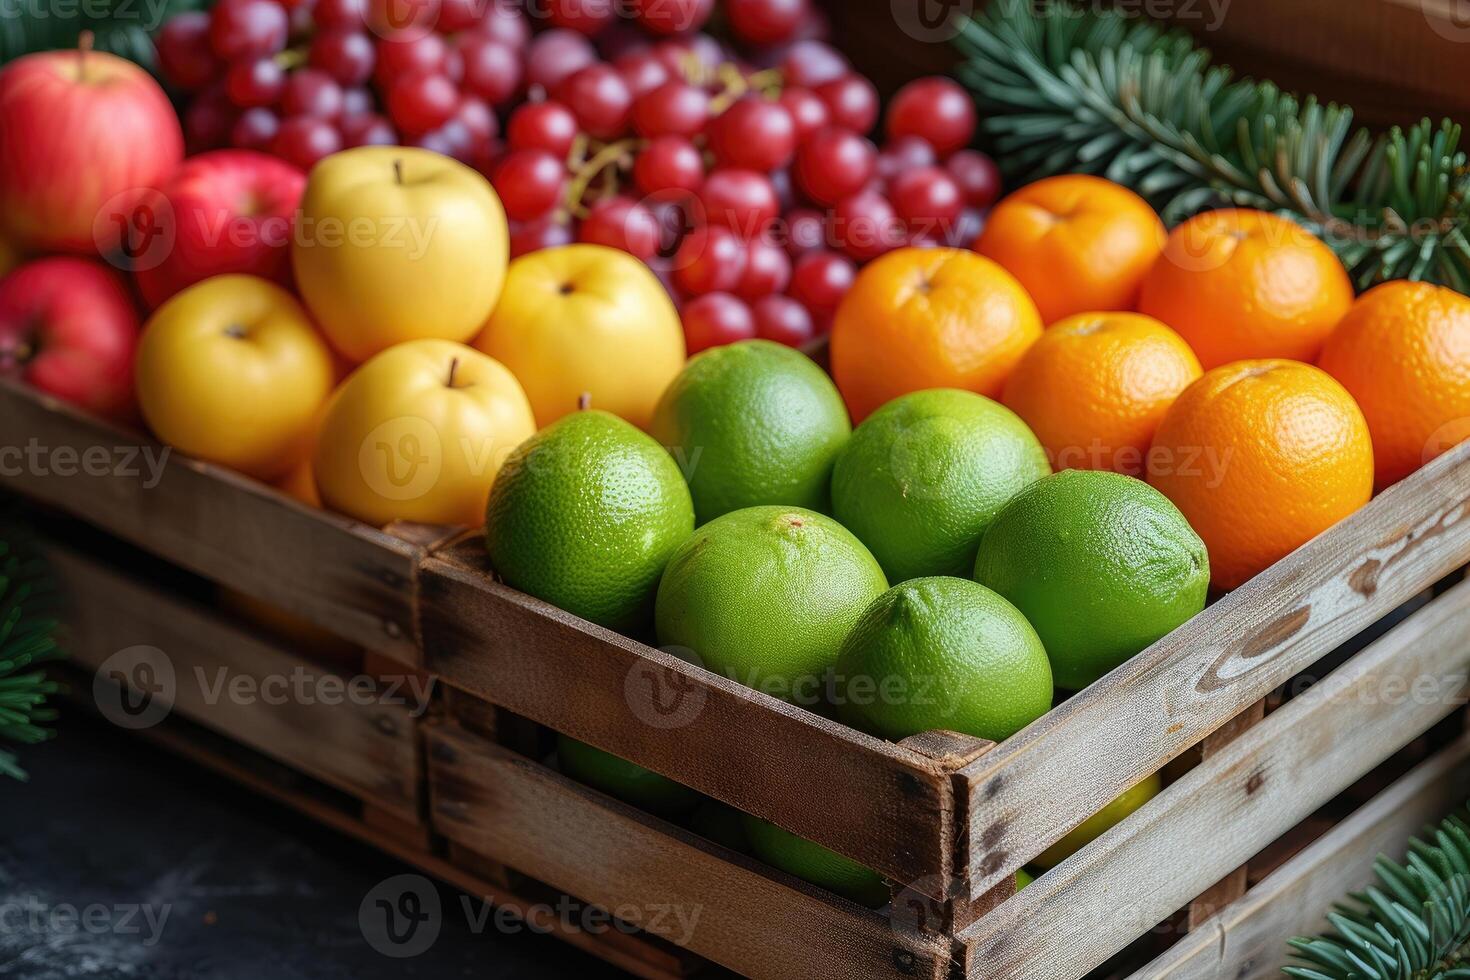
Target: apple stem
x,y
453,366
584,401
398,171
85,41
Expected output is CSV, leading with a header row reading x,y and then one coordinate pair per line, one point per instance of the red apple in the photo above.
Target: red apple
x,y
82,134
225,211
69,327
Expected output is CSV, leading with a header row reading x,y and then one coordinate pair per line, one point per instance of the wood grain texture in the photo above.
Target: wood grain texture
x,y
1248,940
335,572
1231,806
228,680
1190,683
876,802
1233,885
706,898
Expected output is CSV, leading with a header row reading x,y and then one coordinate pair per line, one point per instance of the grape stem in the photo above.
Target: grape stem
x,y
613,155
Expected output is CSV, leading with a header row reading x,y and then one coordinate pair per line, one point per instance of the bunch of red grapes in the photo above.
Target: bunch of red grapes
x,y
744,175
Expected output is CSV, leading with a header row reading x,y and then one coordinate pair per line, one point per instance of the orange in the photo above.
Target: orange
x,y
1077,243
1261,457
1241,284
1096,385
929,318
1404,353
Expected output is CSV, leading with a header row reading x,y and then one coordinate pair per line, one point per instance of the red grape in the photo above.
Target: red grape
x,y
304,140
491,70
357,102
505,24
555,55
368,130
866,226
241,29
548,126
905,153
784,320
811,63
936,109
674,108
767,269
402,54
669,163
672,16
710,260
414,17
459,15
642,71
534,236
345,14
766,21
820,280
600,99
208,120
977,175
716,319
808,112
622,223
852,101
255,129
741,200
480,122
753,134
346,55
420,103
965,229
531,183
806,231
184,55
255,82
311,92
587,17
927,196
834,164
672,213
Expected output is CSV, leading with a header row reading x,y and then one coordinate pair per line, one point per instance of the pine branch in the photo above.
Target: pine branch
x,y
27,643
1068,90
1414,926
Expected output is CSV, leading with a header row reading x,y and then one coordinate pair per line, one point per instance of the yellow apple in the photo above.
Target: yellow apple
x,y
395,244
418,433
232,370
585,319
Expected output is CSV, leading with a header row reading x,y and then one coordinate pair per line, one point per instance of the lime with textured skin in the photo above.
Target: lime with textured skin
x,y
921,479
630,783
1023,878
942,654
1102,564
765,596
815,863
585,515
753,423
1100,823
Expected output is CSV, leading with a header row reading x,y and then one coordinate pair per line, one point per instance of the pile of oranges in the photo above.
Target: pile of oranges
x,y
1227,362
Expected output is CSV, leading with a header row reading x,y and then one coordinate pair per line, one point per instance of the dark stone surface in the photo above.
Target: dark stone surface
x,y
111,831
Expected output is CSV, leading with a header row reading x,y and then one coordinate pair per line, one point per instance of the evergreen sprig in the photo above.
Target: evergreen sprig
x,y
27,643
1069,90
1415,925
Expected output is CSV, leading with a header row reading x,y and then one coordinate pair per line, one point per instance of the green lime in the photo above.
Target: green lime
x,y
765,596
942,654
722,824
1023,878
1100,823
630,783
1102,564
753,423
814,863
585,515
922,478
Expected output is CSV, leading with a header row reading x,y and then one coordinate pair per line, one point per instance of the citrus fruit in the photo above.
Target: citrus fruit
x,y
1076,243
1096,385
1023,878
1403,353
929,318
1100,563
765,596
1261,457
586,319
617,777
815,863
921,479
1240,284
942,654
753,423
1100,823
585,515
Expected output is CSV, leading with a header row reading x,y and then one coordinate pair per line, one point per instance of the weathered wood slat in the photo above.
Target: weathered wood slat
x,y
1233,885
674,884
1187,685
218,675
1247,941
871,800
1230,807
341,575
